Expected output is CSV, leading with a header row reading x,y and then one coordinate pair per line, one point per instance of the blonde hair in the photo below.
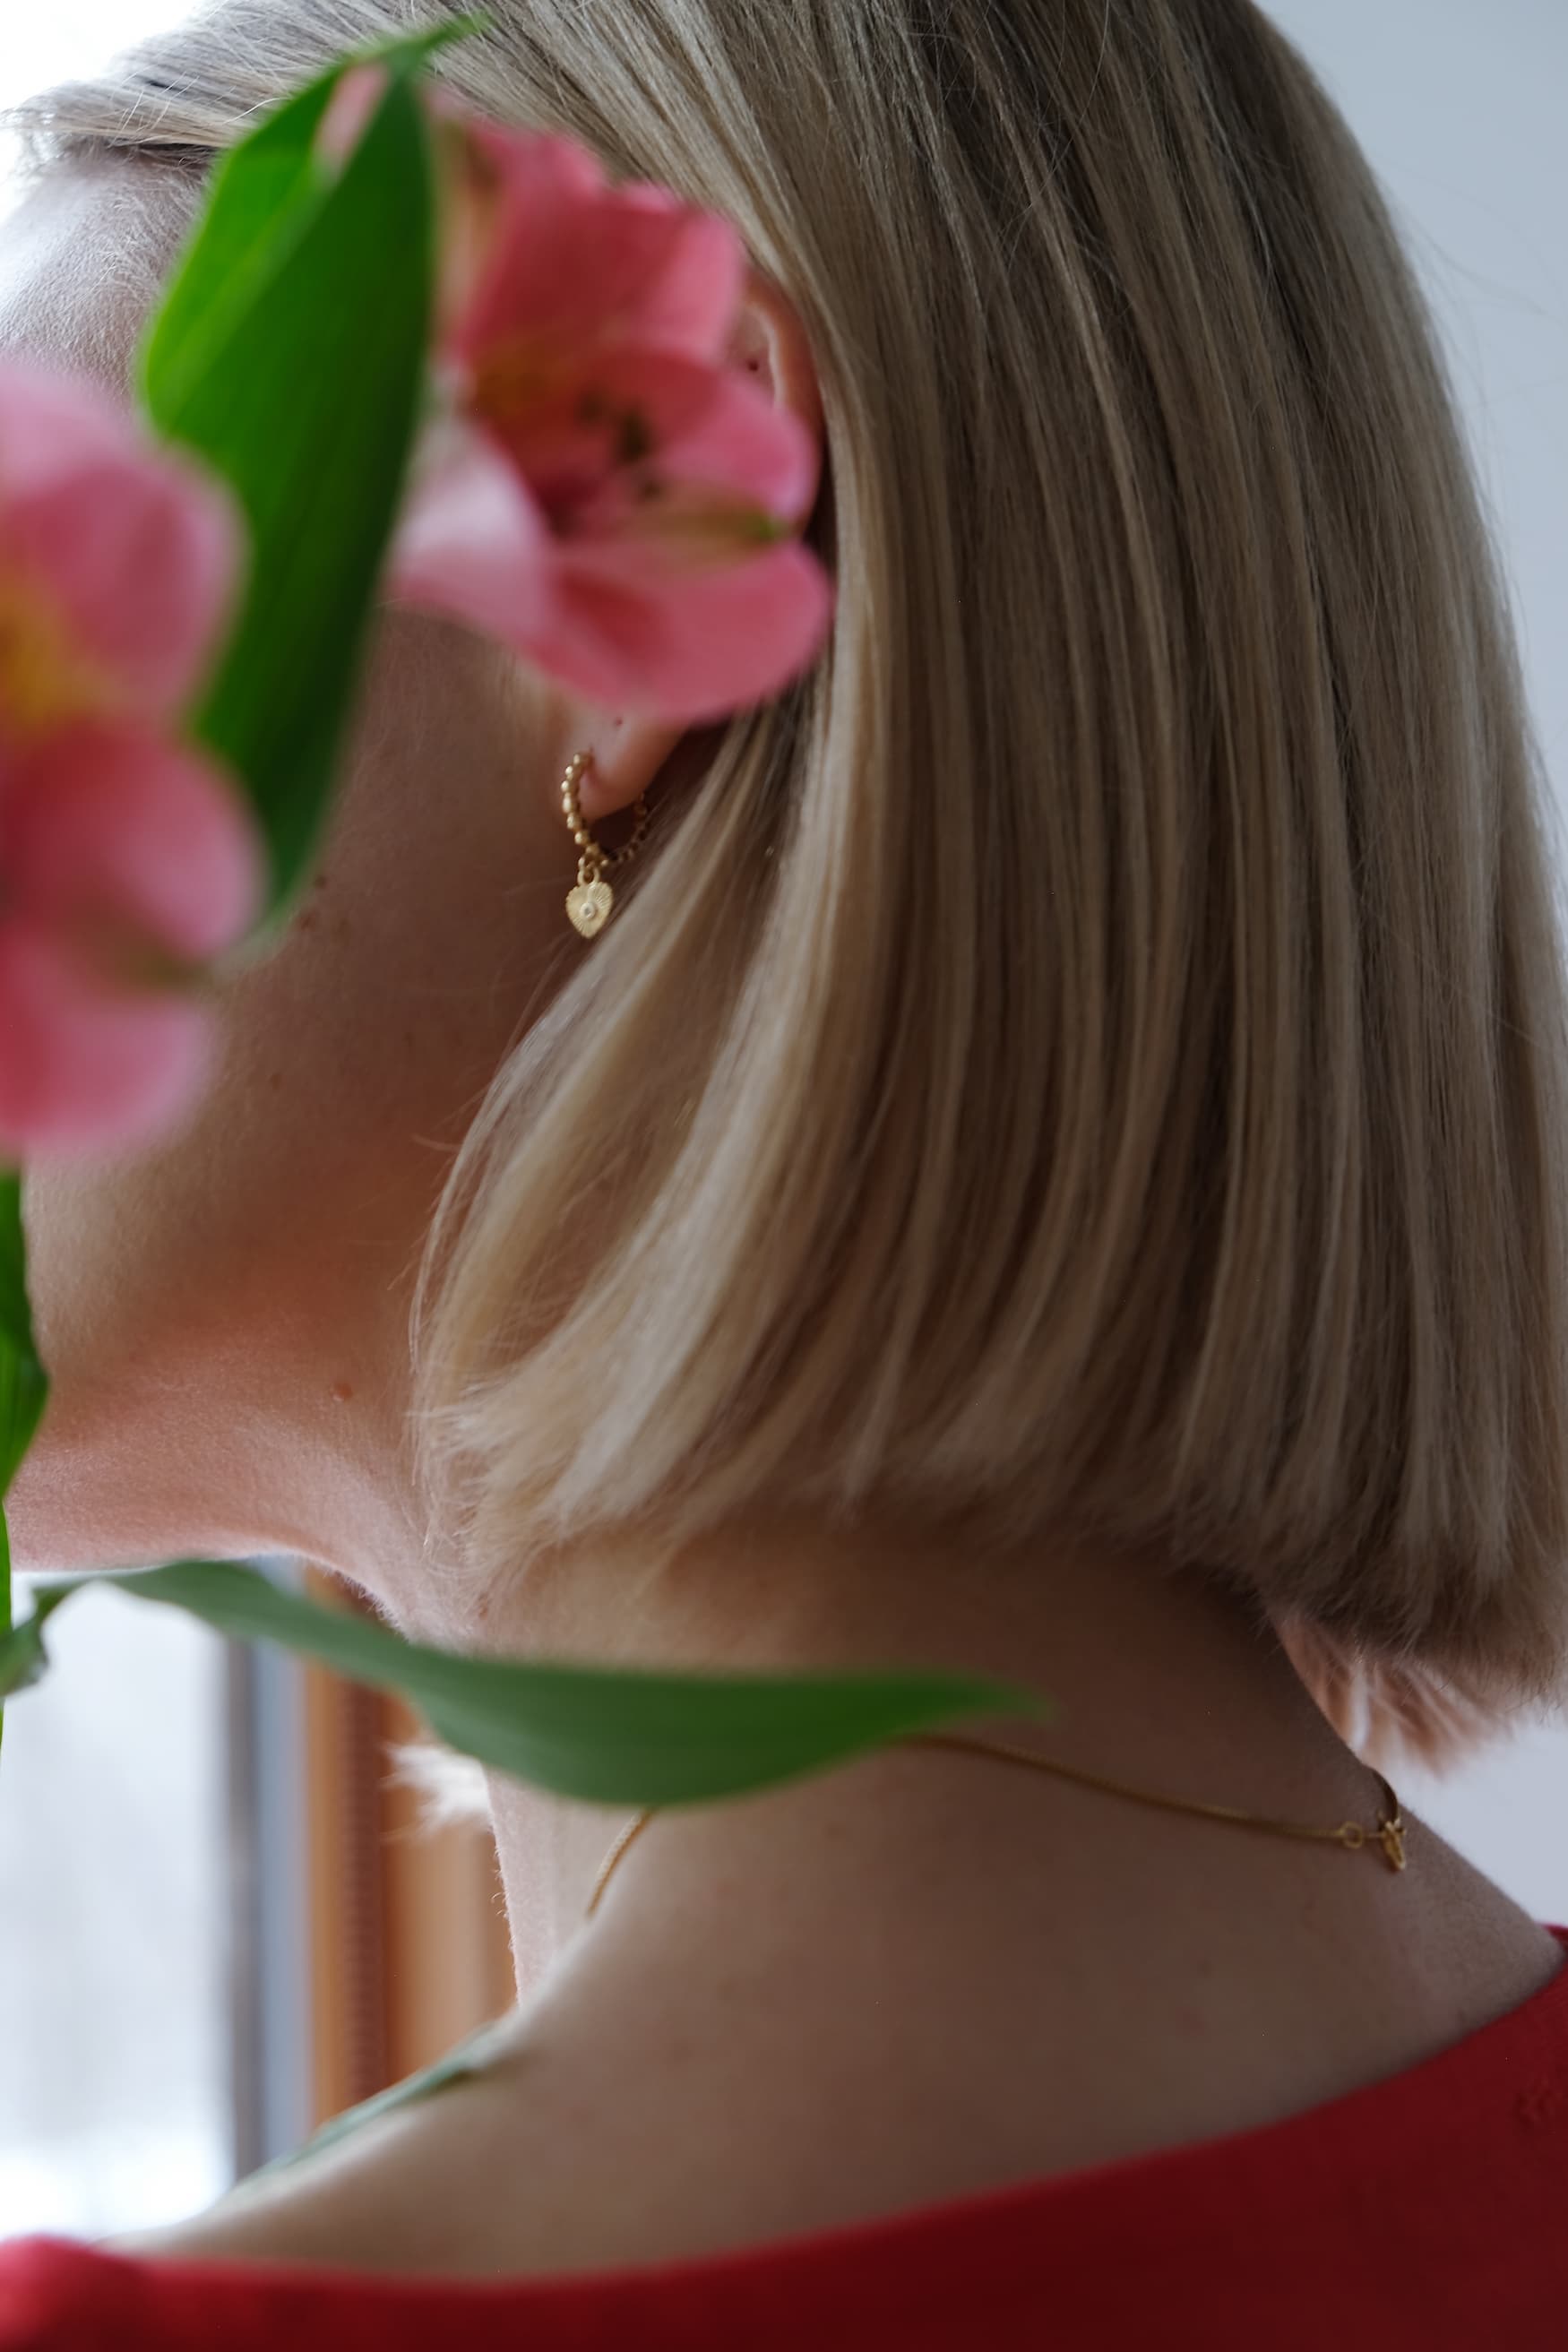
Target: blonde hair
x,y
1091,1054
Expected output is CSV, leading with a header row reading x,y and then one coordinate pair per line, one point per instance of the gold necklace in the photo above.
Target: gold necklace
x,y
1389,1835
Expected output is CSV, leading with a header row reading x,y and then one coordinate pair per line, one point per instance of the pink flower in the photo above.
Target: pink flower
x,y
348,113
126,861
602,491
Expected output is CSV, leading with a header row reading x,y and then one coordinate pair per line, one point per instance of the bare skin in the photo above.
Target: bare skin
x,y
923,1975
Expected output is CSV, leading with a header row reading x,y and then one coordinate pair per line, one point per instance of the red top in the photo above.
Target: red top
x,y
1424,2212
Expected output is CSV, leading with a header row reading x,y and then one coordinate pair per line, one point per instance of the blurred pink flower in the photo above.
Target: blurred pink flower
x,y
126,861
602,491
348,113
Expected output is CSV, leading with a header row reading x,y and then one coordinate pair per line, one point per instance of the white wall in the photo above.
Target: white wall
x,y
1463,107
61,42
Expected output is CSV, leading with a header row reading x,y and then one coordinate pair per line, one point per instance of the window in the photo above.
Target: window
x,y
222,1920
113,1961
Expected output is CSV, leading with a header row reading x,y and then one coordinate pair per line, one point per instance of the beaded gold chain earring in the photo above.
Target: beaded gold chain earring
x,y
592,902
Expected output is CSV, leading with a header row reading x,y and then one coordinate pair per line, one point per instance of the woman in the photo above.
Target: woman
x,y
1053,1168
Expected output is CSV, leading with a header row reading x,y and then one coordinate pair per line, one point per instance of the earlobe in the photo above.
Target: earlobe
x,y
626,754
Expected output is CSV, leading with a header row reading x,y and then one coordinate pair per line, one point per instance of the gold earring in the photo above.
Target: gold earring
x,y
591,903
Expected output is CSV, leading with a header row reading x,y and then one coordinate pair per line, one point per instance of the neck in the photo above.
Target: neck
x,y
932,1971
1156,1679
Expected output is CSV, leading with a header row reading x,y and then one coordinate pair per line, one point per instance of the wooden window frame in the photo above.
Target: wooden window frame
x,y
407,1934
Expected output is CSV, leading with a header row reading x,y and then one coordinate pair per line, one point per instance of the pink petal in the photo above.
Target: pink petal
x,y
723,433
691,305
81,1068
699,424
568,455
473,544
684,646
350,112
585,266
135,549
744,442
471,215
109,821
535,167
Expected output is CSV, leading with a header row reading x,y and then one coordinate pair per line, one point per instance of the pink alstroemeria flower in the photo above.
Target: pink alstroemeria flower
x,y
603,492
126,861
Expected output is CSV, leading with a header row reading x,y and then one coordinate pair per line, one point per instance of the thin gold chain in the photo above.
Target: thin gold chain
x,y
1388,1836
633,1831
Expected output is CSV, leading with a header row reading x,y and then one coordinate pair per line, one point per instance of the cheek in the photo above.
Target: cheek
x,y
290,1213
355,1054
427,933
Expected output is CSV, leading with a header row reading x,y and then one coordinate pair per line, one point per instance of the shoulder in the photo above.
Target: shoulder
x,y
362,2204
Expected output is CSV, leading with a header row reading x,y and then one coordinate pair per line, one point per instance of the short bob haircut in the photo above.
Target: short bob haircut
x,y
1091,1055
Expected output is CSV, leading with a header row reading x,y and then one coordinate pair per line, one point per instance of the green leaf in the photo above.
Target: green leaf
x,y
290,355
606,1737
409,51
24,1386
5,1598
263,196
475,2053
23,1660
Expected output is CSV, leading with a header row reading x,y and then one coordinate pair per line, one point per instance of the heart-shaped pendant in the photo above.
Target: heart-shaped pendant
x,y
589,905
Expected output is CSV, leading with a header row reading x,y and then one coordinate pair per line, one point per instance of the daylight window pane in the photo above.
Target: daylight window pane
x,y
114,1913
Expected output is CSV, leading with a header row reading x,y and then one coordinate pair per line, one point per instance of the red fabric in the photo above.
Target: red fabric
x,y
1424,2212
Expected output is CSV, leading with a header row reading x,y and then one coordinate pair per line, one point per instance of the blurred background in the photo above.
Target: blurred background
x,y
216,1923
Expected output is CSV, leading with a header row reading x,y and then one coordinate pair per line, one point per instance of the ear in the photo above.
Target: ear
x,y
769,343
